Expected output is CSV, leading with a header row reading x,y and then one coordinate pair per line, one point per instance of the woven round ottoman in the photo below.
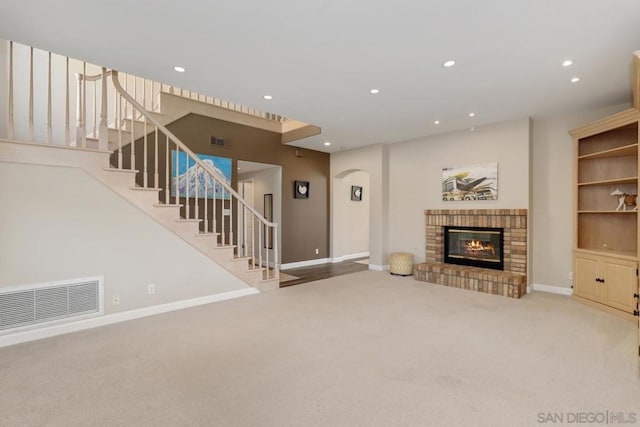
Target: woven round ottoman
x,y
401,263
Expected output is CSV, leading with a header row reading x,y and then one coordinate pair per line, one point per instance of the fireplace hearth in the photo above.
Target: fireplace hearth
x,y
510,282
474,246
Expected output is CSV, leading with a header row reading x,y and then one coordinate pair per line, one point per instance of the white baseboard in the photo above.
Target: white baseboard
x,y
94,322
350,256
552,289
378,267
308,263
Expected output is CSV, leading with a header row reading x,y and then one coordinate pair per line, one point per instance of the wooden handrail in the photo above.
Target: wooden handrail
x,y
183,147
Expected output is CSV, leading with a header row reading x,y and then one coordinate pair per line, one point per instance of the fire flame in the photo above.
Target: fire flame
x,y
477,246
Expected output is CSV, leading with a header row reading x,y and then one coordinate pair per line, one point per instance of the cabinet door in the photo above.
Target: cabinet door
x,y
621,282
585,272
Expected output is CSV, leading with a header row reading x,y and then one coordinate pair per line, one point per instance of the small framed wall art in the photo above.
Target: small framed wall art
x,y
300,189
356,193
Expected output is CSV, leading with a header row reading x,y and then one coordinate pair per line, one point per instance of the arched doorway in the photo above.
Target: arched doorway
x,y
351,212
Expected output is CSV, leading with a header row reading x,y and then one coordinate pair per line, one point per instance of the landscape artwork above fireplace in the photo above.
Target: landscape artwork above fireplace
x,y
474,246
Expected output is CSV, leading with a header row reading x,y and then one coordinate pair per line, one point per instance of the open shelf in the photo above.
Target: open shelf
x,y
627,150
607,212
629,180
611,231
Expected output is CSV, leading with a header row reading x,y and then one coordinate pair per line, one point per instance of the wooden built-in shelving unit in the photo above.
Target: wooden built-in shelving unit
x,y
606,239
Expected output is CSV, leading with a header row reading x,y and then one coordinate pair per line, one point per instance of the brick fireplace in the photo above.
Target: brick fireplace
x,y
511,281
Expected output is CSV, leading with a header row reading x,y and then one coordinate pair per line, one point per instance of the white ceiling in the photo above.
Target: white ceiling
x,y
319,59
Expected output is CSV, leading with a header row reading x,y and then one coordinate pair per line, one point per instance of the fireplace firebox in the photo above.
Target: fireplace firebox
x,y
474,246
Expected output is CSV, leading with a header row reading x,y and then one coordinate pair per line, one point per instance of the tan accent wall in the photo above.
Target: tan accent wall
x,y
305,222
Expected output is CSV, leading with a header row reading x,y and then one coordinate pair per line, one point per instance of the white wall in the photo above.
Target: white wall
x,y
60,223
415,176
553,160
268,181
351,218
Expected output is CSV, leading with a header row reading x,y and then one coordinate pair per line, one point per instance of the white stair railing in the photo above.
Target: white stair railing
x,y
143,144
27,121
185,179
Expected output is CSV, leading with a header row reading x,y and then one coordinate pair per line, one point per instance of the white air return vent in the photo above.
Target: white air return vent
x,y
41,304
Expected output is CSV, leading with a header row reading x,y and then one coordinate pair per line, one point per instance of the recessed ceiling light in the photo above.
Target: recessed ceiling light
x,y
575,80
472,114
268,97
327,143
449,63
567,63
374,91
179,69
437,122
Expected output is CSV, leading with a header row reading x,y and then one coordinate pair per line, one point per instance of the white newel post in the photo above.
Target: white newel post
x,y
276,266
103,135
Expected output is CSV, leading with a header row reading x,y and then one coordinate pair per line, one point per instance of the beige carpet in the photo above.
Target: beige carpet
x,y
362,261
364,349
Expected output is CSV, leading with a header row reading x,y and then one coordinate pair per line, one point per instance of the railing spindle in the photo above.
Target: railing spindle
x,y
167,190
195,197
206,204
49,124
266,251
214,207
79,123
156,174
177,178
135,95
126,106
144,93
10,106
253,241
84,105
260,231
224,217
145,177
31,127
67,111
244,231
186,189
276,268
95,110
103,135
115,107
119,118
230,218
133,138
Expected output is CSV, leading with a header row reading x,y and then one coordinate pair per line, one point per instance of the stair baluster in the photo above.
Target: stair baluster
x,y
103,135
31,128
49,124
10,107
145,176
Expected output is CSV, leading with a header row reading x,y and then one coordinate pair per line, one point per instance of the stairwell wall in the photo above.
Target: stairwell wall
x,y
59,223
305,222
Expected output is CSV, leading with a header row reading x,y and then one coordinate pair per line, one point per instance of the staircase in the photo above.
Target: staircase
x,y
120,138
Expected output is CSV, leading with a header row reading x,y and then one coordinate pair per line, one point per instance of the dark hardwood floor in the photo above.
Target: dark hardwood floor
x,y
323,271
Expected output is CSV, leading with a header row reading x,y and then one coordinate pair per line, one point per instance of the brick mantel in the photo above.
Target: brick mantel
x,y
511,282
